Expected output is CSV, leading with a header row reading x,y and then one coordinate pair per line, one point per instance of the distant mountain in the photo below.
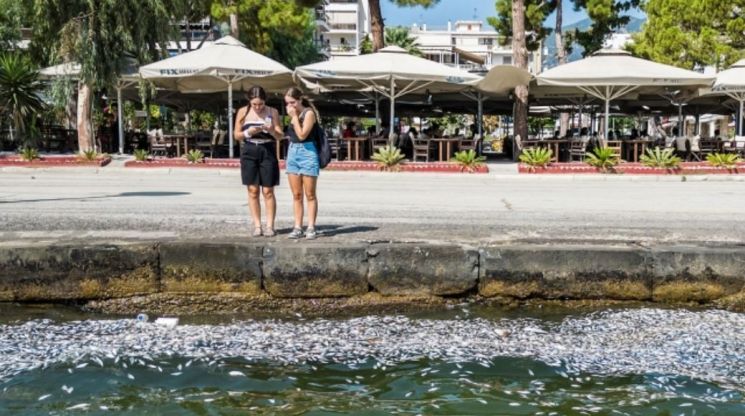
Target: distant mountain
x,y
634,26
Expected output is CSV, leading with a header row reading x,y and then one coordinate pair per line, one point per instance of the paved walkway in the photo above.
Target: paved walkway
x,y
115,203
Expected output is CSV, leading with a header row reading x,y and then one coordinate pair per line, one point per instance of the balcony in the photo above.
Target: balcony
x,y
344,27
322,20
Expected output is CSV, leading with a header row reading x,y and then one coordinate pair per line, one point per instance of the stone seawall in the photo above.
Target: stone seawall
x,y
79,272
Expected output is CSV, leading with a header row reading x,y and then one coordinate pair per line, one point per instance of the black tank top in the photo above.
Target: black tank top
x,y
293,136
260,136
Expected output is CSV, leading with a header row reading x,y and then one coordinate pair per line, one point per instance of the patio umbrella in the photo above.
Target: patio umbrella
x,y
390,72
610,74
731,82
225,64
499,81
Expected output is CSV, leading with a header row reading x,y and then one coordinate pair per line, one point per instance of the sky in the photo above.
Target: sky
x,y
462,10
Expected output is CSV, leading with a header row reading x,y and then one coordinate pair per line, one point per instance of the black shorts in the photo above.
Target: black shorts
x,y
259,164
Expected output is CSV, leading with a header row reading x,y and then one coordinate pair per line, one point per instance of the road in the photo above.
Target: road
x,y
122,204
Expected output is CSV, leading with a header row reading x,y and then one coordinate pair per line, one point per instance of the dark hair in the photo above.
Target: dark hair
x,y
295,93
256,92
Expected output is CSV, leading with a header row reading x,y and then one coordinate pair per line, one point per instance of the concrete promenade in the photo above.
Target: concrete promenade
x,y
87,234
115,203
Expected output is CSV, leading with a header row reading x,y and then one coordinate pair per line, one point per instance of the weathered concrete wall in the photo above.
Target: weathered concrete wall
x,y
326,269
76,272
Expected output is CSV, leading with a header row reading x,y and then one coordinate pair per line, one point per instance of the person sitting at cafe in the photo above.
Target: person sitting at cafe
x,y
349,131
634,134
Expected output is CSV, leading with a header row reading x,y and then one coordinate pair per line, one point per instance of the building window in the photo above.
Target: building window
x,y
486,41
507,60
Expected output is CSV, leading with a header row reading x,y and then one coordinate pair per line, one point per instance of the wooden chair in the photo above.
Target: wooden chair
x,y
577,150
693,148
377,143
421,150
614,145
467,144
158,147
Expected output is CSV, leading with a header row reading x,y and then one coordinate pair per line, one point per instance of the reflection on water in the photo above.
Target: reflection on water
x,y
507,386
613,362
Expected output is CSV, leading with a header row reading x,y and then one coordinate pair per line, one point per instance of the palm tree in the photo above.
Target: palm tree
x,y
398,36
19,91
377,25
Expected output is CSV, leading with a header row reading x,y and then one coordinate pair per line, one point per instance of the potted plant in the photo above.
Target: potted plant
x,y
389,158
602,158
536,157
661,158
469,161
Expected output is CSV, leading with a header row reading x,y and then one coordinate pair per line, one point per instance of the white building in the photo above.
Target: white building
x,y
468,46
342,25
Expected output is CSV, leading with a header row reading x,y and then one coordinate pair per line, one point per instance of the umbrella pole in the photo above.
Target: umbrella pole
x,y
119,105
607,118
393,116
230,119
742,127
480,121
377,114
680,120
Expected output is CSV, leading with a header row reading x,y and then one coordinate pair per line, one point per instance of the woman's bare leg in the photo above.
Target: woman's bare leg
x,y
296,186
271,205
309,184
254,207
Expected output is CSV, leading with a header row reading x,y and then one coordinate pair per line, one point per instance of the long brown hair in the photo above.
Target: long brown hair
x,y
256,92
295,93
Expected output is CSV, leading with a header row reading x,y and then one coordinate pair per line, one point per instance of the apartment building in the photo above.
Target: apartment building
x,y
467,45
341,25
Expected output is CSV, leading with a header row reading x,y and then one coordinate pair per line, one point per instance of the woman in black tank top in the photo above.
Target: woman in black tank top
x,y
258,125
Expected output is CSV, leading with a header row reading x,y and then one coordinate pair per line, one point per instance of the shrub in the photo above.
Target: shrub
x,y
29,153
723,160
389,158
195,156
469,160
536,157
661,158
88,155
602,158
141,155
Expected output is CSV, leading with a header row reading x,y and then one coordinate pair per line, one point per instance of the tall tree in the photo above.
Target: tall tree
x,y
13,13
692,33
377,26
193,11
561,55
521,22
535,13
607,16
279,29
100,35
398,36
520,60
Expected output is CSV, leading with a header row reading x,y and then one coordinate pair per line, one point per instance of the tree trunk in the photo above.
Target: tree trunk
x,y
520,58
85,137
234,25
561,54
377,28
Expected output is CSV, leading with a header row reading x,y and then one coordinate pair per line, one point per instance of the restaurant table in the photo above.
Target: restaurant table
x,y
637,147
446,143
555,146
178,137
354,142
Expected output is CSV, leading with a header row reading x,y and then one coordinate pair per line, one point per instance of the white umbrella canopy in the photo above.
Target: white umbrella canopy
x,y
391,71
224,65
610,74
212,67
731,82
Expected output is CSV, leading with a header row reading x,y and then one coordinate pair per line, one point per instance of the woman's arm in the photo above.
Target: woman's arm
x,y
277,130
303,130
